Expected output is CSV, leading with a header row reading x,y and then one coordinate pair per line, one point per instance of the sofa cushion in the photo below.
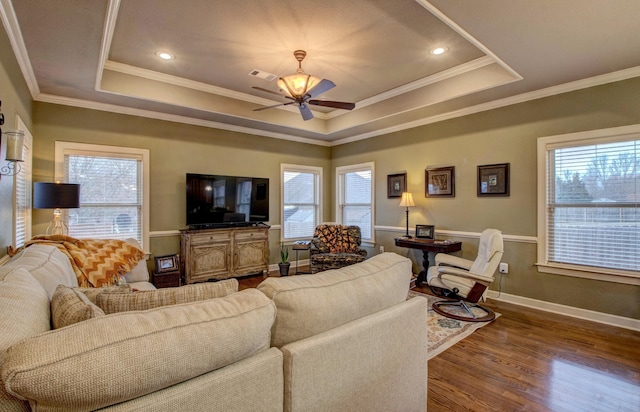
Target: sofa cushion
x,y
149,299
24,312
24,306
311,304
47,264
119,357
69,306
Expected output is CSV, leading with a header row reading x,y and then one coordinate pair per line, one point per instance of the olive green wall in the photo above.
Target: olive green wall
x,y
175,149
497,136
505,135
16,100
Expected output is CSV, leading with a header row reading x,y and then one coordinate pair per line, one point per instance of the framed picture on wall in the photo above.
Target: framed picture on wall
x,y
493,180
396,184
167,263
440,182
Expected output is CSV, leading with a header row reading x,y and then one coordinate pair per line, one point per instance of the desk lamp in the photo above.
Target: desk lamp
x,y
407,201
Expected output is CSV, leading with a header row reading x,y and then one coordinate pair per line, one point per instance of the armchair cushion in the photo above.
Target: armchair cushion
x,y
337,239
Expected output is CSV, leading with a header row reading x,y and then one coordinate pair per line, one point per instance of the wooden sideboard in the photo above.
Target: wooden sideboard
x,y
223,253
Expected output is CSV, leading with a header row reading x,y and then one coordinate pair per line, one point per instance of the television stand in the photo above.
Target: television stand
x,y
223,252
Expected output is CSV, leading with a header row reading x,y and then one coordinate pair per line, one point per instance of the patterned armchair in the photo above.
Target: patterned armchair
x,y
335,246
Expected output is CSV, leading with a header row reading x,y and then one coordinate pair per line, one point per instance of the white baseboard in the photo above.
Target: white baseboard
x,y
605,318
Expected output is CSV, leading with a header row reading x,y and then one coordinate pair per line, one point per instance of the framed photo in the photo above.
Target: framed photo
x,y
425,231
493,180
167,263
440,182
396,184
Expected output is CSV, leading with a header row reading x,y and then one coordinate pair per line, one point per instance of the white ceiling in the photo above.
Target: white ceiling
x,y
101,54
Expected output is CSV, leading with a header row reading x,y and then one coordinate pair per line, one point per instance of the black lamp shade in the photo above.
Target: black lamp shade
x,y
56,195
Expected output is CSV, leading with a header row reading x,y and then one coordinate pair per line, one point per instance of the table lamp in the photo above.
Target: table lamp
x,y
56,196
407,201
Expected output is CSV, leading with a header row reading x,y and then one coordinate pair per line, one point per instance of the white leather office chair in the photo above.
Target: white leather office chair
x,y
465,282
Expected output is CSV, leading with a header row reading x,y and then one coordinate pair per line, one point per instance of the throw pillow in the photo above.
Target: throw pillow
x,y
149,299
91,293
69,306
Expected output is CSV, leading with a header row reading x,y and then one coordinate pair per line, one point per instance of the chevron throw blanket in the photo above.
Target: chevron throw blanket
x,y
96,262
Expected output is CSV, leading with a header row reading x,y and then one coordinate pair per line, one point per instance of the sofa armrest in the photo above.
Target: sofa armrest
x,y
115,358
375,363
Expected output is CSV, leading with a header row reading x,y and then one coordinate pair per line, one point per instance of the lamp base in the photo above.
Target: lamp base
x,y
57,226
407,235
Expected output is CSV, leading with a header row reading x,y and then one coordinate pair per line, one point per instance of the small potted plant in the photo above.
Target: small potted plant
x,y
284,260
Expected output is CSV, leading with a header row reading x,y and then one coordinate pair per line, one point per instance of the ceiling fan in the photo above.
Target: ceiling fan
x,y
301,88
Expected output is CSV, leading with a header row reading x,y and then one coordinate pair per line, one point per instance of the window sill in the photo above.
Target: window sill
x,y
616,276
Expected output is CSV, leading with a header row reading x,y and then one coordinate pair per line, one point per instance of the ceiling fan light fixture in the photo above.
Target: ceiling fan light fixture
x,y
296,85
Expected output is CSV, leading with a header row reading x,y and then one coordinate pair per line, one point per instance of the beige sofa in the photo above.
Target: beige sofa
x,y
344,339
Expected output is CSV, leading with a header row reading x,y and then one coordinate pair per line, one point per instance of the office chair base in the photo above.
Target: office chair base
x,y
439,307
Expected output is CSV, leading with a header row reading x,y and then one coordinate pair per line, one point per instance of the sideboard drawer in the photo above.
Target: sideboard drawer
x,y
211,237
250,235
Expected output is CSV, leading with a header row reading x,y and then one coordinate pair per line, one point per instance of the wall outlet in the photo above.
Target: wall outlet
x,y
504,268
381,249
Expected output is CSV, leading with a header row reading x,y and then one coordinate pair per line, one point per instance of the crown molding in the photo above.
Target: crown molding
x,y
507,101
106,107
10,22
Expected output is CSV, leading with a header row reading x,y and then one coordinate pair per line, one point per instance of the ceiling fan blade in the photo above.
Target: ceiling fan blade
x,y
272,106
330,103
272,92
305,112
323,86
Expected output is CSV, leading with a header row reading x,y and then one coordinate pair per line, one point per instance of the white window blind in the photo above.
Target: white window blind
x,y
113,185
355,186
593,197
301,211
22,184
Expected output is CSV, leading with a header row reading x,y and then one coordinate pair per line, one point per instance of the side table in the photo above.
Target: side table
x,y
428,245
166,279
298,246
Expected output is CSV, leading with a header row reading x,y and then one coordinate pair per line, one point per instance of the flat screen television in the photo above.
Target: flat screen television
x,y
219,201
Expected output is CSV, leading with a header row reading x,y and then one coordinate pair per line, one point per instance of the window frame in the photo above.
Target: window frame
x,y
317,171
25,179
340,173
544,145
64,148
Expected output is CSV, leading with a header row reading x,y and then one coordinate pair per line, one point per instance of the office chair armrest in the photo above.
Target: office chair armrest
x,y
450,260
449,270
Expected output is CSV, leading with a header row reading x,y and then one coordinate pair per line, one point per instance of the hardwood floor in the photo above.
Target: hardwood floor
x,y
529,360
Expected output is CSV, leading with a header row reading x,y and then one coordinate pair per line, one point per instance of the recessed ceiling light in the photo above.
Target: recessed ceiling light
x,y
438,50
165,55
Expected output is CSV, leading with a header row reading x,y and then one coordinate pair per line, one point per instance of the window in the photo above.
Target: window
x,y
301,201
22,197
355,197
114,190
588,211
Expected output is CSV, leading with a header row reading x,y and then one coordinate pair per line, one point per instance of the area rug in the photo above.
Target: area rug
x,y
445,332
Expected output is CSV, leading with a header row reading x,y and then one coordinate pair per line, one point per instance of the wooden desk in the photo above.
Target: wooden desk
x,y
428,245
